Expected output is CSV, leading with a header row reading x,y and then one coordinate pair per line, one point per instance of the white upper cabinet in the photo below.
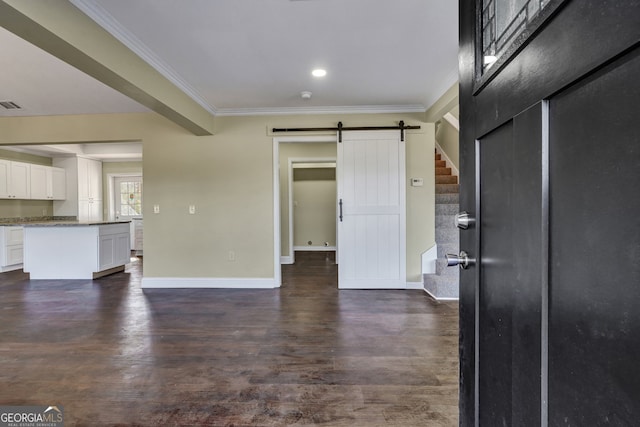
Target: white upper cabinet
x,y
89,190
20,180
15,180
5,170
58,184
89,179
48,183
39,182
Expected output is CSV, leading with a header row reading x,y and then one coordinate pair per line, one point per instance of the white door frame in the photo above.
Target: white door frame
x,y
276,192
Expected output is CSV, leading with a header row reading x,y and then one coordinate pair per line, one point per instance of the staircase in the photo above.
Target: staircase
x,y
445,283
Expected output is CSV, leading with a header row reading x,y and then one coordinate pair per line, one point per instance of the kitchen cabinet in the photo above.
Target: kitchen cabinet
x,y
89,179
15,180
83,189
89,189
48,183
115,246
11,248
67,250
136,235
89,210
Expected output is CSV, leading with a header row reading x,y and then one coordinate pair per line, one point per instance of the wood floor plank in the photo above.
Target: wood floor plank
x,y
305,354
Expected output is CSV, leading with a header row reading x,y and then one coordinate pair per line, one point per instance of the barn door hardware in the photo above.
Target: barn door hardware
x,y
401,126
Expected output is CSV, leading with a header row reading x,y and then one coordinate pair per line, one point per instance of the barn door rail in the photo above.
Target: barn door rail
x,y
401,126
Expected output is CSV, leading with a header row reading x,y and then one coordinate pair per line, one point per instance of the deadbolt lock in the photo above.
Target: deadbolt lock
x,y
464,220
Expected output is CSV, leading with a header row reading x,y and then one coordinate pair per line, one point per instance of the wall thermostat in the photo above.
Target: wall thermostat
x,y
417,182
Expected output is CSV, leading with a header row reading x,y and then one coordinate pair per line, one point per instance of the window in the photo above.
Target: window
x,y
502,22
128,195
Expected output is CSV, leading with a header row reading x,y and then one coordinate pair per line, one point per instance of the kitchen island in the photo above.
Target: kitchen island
x,y
75,250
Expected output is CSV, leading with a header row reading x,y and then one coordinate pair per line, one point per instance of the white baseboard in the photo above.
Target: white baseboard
x,y
441,299
314,248
415,285
207,282
286,260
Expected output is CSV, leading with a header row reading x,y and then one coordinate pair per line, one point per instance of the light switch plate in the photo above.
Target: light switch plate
x,y
192,209
156,209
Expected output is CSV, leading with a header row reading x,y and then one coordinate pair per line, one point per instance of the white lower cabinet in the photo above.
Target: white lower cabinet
x,y
11,248
114,247
76,251
136,235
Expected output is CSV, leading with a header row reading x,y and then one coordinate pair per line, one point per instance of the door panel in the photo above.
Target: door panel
x,y
511,187
550,164
371,186
496,276
594,325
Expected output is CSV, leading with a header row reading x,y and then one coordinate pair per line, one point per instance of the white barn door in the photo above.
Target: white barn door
x,y
371,204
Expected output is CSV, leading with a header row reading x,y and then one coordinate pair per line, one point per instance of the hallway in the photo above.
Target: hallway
x,y
304,354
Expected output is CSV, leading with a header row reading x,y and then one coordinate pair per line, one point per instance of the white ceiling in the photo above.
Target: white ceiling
x,y
239,57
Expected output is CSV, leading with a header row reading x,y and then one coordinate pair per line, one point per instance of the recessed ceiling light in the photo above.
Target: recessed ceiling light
x,y
319,72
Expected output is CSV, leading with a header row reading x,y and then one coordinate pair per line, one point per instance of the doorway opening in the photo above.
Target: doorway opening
x,y
312,195
125,193
307,158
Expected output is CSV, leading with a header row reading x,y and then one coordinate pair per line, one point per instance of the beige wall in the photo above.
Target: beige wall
x,y
229,177
314,211
448,138
25,208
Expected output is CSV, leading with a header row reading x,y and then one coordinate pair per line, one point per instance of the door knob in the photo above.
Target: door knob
x,y
462,260
464,220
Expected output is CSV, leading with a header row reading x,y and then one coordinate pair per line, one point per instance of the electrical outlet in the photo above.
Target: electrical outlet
x,y
192,209
231,256
156,209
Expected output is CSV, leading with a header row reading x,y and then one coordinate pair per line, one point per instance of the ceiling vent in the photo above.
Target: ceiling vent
x,y
10,105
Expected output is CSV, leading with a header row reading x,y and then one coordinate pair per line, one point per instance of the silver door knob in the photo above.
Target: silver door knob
x,y
464,220
462,260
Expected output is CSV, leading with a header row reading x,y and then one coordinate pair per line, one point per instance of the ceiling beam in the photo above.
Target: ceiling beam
x,y
61,29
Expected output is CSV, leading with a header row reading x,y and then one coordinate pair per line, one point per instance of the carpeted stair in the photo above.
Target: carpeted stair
x,y
445,283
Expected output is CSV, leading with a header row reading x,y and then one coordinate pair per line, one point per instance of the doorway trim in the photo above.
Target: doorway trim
x,y
111,190
333,138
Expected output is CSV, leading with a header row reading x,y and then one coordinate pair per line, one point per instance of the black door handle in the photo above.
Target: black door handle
x,y
340,203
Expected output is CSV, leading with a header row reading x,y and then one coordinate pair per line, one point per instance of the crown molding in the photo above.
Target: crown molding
x,y
360,109
105,20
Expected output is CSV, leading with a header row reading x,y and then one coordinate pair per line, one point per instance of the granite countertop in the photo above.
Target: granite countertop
x,y
52,222
70,223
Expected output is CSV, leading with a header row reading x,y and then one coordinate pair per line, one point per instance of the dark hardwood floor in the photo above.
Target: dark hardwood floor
x,y
306,354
